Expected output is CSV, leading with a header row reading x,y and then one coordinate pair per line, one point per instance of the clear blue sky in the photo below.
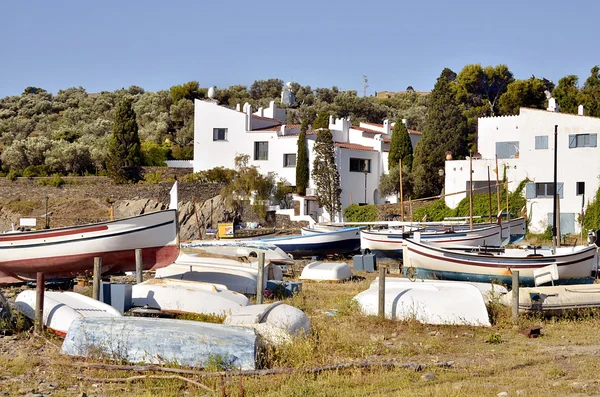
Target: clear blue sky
x,y
106,45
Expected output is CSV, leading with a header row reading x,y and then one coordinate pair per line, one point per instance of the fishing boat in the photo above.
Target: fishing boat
x,y
62,308
70,251
162,341
423,260
236,275
239,249
343,241
556,299
390,242
181,296
429,302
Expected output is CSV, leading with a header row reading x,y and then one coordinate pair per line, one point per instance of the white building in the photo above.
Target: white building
x,y
222,133
524,145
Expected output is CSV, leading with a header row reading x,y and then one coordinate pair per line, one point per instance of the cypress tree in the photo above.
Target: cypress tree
x,y
445,130
400,147
326,175
322,121
124,156
302,176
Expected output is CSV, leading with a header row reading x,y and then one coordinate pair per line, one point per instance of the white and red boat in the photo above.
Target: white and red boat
x,y
70,251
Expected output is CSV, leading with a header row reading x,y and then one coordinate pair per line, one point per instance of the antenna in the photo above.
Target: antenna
x,y
365,85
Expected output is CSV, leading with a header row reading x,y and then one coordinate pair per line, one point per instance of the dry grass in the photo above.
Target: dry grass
x,y
564,360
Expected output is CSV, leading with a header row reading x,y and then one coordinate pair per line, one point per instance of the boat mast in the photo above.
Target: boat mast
x,y
470,191
555,192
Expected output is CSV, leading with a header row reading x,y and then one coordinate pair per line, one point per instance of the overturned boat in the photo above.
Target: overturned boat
x,y
343,241
556,299
326,271
239,249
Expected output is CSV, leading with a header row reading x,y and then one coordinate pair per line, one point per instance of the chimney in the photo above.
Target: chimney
x,y
331,120
581,110
405,122
282,129
248,108
237,107
261,112
552,105
386,127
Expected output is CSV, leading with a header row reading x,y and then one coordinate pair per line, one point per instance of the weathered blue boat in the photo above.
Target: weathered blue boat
x,y
343,241
162,341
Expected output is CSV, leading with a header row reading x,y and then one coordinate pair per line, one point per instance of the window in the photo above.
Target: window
x,y
507,150
289,160
582,140
541,142
542,190
261,150
580,188
360,165
219,134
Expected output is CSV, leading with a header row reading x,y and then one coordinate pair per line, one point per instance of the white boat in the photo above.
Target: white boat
x,y
390,242
181,296
162,341
555,299
425,260
276,322
489,291
326,271
343,241
239,249
235,275
62,308
430,302
70,251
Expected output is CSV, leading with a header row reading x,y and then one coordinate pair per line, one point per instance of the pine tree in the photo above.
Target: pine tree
x,y
400,147
302,175
326,175
124,147
445,130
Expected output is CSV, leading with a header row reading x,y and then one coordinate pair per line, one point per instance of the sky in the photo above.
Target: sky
x,y
106,45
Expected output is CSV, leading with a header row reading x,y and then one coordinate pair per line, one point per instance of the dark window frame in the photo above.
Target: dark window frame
x,y
217,131
286,156
357,165
261,150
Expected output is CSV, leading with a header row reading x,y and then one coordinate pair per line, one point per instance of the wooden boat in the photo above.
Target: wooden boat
x,y
239,249
235,275
181,296
555,299
62,308
344,241
429,302
389,242
326,271
275,322
162,341
425,260
70,251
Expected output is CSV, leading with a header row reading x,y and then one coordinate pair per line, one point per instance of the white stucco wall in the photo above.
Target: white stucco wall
x,y
580,164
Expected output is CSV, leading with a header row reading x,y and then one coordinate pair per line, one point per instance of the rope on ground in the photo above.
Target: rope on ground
x,y
140,377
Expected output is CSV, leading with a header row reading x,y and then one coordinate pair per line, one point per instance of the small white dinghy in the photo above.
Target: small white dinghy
x,y
181,296
326,271
62,308
162,341
554,299
236,276
429,302
277,322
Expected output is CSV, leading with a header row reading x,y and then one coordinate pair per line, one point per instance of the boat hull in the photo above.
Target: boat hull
x,y
68,252
431,262
344,241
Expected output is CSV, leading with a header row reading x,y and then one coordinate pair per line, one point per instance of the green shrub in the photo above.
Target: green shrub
x,y
35,170
153,178
154,154
13,175
55,181
360,213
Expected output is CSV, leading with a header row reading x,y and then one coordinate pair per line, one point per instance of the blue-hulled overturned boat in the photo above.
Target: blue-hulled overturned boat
x,y
343,241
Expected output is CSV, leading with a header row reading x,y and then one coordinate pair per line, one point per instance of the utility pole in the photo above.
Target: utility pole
x,y
365,85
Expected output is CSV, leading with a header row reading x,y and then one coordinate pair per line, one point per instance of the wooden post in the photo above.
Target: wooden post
x,y
401,195
498,186
515,294
381,311
39,302
260,280
557,215
139,266
507,209
410,207
490,193
97,276
470,192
